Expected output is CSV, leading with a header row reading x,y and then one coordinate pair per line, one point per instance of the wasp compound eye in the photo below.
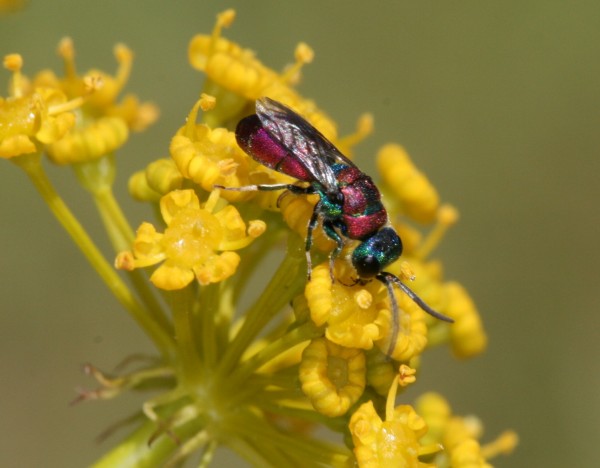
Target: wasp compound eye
x,y
377,252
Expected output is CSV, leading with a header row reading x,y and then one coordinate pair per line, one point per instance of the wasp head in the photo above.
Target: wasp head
x,y
376,252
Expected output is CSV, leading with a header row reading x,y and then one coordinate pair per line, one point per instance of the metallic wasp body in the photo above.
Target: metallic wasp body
x,y
349,203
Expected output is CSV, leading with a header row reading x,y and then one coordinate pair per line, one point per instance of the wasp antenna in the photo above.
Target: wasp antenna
x,y
385,279
416,299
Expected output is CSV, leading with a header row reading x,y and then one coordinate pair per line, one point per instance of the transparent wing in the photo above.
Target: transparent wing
x,y
315,152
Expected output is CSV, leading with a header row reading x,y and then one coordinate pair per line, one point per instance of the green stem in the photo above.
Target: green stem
x,y
97,177
284,285
305,452
33,168
204,318
135,452
191,367
305,332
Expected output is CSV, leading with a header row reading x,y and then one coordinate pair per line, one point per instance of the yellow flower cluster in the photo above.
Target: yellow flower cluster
x,y
72,119
256,380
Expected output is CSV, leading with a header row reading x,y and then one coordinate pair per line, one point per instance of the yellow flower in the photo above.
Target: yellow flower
x,y
459,435
394,441
159,178
418,198
236,77
104,123
332,376
210,156
467,336
359,316
190,244
31,119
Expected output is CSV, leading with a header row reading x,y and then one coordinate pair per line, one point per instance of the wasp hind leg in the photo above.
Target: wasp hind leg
x,y
339,245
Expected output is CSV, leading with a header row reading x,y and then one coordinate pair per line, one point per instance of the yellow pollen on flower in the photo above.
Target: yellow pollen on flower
x,y
125,261
207,102
406,375
13,62
256,227
406,271
92,83
332,376
227,167
363,299
304,53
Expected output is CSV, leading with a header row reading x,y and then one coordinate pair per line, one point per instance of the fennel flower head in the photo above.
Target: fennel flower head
x,y
327,351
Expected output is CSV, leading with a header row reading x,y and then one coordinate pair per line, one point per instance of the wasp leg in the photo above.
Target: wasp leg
x,y
312,223
339,245
254,188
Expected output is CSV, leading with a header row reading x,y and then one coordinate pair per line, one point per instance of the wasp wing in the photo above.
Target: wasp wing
x,y
315,152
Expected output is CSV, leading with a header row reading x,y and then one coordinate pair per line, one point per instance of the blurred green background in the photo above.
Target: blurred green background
x,y
498,102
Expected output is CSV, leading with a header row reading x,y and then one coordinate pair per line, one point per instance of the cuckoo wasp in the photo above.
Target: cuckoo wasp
x,y
349,204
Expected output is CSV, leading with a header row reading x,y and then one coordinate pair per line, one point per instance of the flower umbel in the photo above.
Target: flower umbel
x,y
258,379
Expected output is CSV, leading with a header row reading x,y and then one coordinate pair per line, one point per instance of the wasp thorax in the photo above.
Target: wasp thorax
x,y
377,252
